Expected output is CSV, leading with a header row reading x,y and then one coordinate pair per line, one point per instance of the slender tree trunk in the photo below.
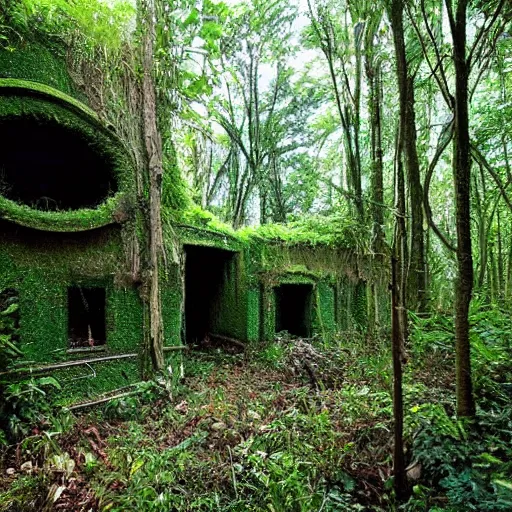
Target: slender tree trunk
x,y
398,406
416,286
396,18
153,145
462,175
373,72
508,280
501,282
416,272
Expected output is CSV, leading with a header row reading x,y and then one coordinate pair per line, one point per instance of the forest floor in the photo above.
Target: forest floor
x,y
291,426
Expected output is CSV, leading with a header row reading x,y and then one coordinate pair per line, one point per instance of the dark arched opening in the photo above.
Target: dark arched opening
x,y
50,167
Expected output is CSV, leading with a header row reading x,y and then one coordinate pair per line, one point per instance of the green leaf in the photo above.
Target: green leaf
x,y
49,381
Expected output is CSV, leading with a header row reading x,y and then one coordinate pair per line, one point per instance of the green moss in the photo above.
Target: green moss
x,y
193,235
171,294
325,310
37,63
253,314
268,327
333,231
18,87
80,383
72,220
42,267
232,305
360,306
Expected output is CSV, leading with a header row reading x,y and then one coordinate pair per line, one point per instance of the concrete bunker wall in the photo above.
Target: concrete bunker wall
x,y
42,267
340,282
217,285
66,185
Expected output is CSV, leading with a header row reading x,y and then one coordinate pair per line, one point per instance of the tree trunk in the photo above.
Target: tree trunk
x,y
153,146
373,73
416,285
400,483
416,272
501,282
462,174
396,18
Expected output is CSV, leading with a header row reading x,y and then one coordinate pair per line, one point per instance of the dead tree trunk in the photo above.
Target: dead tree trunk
x,y
153,147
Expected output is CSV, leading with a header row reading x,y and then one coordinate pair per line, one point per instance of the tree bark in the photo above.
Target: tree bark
x,y
416,271
373,73
462,175
153,146
416,285
400,482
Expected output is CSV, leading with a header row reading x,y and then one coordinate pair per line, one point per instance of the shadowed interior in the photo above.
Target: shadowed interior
x,y
293,309
50,167
205,270
86,317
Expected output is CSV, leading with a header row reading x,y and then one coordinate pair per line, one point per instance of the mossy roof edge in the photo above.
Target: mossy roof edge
x,y
54,95
17,84
83,219
194,235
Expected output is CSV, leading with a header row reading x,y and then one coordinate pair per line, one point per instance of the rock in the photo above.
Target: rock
x,y
10,471
219,426
182,407
413,471
26,466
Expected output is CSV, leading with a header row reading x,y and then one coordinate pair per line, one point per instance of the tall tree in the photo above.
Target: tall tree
x,y
153,158
462,181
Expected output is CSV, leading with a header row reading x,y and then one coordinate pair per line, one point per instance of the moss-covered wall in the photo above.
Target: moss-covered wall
x,y
172,296
231,306
41,266
40,104
30,60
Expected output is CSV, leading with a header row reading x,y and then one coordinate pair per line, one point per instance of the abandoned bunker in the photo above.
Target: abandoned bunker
x,y
70,225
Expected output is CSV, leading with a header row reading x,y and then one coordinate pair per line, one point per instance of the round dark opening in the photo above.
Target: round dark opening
x,y
50,167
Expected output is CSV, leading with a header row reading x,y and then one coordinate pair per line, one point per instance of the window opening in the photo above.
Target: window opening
x,y
50,167
86,317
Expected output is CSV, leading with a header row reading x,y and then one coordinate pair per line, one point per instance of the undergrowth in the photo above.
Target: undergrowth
x,y
290,426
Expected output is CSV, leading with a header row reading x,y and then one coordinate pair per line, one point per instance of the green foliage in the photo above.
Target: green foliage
x,y
334,231
466,462
100,23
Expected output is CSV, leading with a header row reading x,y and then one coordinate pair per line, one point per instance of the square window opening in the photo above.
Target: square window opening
x,y
86,317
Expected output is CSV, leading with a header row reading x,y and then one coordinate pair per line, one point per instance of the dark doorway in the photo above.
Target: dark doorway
x,y
86,317
49,167
205,273
293,309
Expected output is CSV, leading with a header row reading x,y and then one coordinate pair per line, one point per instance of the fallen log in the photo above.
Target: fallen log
x,y
227,339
